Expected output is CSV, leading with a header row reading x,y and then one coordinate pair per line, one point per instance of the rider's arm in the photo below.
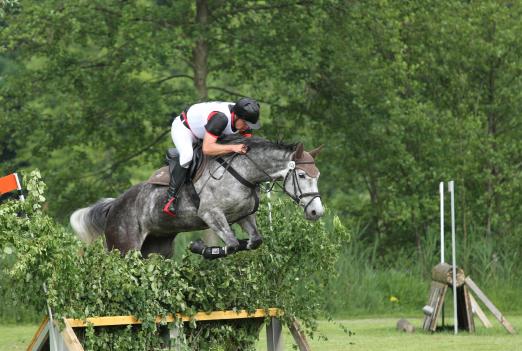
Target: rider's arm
x,y
212,148
215,126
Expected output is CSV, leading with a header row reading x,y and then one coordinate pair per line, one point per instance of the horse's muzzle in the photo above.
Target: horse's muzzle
x,y
314,210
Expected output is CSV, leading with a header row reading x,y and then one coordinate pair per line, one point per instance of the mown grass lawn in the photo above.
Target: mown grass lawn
x,y
368,334
379,334
16,337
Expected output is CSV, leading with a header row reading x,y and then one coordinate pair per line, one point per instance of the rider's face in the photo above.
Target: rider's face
x,y
241,125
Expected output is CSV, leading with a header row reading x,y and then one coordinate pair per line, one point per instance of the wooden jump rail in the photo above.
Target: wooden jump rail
x,y
49,337
199,317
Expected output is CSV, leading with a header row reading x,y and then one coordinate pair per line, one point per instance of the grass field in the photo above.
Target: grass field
x,y
16,337
369,334
379,334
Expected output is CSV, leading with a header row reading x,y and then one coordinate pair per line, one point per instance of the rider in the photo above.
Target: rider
x,y
208,121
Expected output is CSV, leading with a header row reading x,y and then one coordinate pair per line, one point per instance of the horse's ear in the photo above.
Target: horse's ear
x,y
316,151
299,151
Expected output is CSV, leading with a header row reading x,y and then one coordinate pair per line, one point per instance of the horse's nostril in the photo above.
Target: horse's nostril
x,y
314,213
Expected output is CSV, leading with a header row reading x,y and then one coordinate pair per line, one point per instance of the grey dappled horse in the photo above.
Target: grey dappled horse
x,y
228,192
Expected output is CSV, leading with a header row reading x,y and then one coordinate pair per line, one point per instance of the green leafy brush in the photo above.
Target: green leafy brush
x,y
290,271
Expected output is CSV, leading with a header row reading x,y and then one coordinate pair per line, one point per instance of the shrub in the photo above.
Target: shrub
x,y
291,271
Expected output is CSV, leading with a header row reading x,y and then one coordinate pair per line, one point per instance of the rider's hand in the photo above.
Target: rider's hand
x,y
240,148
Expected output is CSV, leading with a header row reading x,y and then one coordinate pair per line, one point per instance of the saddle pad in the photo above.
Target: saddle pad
x,y
162,175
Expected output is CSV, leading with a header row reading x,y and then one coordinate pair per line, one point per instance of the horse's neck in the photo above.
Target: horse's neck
x,y
273,165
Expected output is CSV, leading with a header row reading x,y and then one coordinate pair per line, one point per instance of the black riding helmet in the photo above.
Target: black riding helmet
x,y
248,109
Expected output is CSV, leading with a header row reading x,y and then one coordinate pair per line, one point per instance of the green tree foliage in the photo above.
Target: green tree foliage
x,y
97,80
7,6
472,76
419,92
87,281
403,94
86,97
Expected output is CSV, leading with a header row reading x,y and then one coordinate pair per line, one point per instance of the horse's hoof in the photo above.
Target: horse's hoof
x,y
243,245
254,244
197,246
232,249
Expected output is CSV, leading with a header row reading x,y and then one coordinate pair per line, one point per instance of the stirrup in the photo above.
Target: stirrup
x,y
166,208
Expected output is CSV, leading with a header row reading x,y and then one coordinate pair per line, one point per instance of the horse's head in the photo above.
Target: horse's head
x,y
301,182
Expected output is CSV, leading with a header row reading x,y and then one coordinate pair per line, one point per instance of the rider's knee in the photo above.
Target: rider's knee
x,y
185,158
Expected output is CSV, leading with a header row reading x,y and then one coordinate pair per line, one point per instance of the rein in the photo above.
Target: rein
x,y
253,187
297,197
298,194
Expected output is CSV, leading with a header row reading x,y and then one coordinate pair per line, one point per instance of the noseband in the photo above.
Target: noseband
x,y
298,194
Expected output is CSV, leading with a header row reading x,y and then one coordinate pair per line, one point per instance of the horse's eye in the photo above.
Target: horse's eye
x,y
302,176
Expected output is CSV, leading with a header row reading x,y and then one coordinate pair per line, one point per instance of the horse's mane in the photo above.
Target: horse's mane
x,y
256,142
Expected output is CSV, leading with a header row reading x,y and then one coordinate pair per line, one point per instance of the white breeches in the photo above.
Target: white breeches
x,y
183,140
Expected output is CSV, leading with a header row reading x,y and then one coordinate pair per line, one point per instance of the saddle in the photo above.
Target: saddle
x,y
162,175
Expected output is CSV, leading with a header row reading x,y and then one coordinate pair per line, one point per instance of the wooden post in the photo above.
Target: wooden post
x,y
442,273
274,337
498,315
40,335
299,337
478,311
436,300
70,339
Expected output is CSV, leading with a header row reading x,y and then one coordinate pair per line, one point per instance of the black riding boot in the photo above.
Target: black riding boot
x,y
177,178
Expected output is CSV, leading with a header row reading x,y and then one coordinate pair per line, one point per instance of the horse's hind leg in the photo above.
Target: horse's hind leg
x,y
123,236
217,221
249,225
160,245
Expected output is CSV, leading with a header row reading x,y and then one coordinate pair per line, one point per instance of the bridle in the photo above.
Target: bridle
x,y
293,165
298,194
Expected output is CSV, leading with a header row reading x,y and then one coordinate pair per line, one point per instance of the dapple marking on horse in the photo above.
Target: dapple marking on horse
x,y
135,221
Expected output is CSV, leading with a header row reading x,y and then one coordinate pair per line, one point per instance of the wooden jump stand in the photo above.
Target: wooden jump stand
x,y
466,303
50,337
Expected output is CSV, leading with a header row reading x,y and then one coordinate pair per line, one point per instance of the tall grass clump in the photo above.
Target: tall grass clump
x,y
373,282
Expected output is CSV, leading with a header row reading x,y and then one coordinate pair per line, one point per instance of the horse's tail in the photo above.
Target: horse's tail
x,y
88,223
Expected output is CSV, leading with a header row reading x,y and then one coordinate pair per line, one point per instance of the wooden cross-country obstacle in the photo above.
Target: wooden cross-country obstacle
x,y
50,337
466,303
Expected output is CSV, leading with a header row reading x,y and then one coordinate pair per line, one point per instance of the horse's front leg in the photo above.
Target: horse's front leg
x,y
216,220
249,225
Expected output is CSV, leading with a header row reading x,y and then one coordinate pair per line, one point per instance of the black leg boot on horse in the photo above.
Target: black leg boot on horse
x,y
212,252
177,179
